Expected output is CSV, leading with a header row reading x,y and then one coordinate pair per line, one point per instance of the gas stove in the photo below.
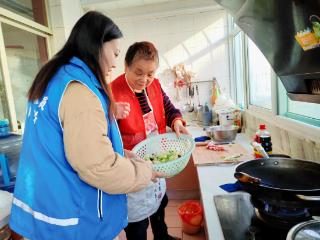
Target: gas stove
x,y
241,219
283,217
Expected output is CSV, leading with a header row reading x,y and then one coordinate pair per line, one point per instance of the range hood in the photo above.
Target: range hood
x,y
272,26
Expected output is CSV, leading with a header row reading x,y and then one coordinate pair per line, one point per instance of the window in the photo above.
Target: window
x,y
4,108
26,52
33,10
239,69
254,78
260,75
302,111
311,110
23,50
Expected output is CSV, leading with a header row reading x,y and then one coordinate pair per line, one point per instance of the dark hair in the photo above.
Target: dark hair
x,y
144,50
85,42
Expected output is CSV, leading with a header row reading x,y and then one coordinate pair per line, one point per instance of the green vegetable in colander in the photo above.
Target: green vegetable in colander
x,y
163,157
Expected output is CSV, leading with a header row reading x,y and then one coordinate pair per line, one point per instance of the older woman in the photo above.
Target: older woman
x,y
148,111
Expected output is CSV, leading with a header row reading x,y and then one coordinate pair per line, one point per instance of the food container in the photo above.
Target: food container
x,y
226,117
229,116
4,128
222,133
309,230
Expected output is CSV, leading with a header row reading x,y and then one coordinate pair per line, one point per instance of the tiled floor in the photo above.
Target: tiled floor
x,y
174,224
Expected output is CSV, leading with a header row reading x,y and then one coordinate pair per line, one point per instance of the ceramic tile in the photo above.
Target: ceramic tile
x,y
198,236
175,232
173,221
172,211
175,203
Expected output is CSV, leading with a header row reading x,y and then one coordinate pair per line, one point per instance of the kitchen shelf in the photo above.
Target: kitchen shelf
x,y
206,81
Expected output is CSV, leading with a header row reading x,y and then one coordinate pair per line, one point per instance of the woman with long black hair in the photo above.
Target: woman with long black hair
x,y
73,175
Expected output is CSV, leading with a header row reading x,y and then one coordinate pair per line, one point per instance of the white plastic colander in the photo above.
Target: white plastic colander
x,y
184,145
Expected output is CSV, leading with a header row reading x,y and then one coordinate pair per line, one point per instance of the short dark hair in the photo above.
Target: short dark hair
x,y
85,42
141,50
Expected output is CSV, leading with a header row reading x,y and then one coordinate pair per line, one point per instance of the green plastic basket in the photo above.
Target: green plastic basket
x,y
163,143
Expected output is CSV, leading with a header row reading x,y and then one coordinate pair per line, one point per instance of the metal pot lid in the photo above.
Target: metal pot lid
x,y
309,230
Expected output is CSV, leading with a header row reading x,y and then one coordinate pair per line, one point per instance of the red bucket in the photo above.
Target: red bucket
x,y
191,215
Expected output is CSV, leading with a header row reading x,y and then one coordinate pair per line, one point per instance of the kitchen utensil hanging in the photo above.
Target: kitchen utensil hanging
x,y
191,94
199,107
215,91
187,107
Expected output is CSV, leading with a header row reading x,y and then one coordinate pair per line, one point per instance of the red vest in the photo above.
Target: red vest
x,y
132,127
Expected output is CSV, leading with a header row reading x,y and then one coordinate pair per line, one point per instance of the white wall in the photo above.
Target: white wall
x,y
63,14
198,39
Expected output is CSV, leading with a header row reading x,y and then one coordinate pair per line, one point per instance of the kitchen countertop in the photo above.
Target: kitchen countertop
x,y
210,178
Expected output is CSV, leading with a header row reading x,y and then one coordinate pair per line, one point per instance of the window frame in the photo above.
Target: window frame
x,y
25,24
274,108
233,32
279,114
283,106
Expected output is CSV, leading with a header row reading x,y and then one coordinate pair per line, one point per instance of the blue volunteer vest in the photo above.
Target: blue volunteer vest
x,y
50,201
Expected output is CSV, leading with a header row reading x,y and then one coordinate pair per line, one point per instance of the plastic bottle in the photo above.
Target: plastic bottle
x,y
206,115
266,143
4,127
215,91
263,137
261,130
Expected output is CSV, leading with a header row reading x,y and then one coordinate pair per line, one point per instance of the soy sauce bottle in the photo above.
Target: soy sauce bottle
x,y
266,143
263,137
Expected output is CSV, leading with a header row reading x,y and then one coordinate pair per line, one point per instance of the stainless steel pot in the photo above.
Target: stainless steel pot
x,y
309,230
222,133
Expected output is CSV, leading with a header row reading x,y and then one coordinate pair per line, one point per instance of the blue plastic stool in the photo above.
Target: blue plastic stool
x,y
5,169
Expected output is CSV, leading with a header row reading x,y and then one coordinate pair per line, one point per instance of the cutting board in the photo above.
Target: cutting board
x,y
202,156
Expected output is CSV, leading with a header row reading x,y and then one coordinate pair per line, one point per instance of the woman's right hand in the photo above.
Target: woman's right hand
x,y
122,110
156,175
130,154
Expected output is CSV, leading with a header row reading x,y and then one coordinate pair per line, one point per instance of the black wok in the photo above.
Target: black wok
x,y
282,179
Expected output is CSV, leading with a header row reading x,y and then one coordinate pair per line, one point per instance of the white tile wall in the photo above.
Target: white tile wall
x,y
63,16
197,39
56,13
284,139
58,39
54,2
71,11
